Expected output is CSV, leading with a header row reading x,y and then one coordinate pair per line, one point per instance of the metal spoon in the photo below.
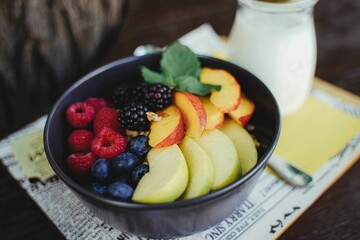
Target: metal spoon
x,y
146,49
288,172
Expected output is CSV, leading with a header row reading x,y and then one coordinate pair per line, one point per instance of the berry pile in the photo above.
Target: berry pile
x,y
101,154
117,177
135,102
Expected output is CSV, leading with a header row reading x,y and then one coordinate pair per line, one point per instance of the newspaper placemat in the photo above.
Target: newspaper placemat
x,y
270,209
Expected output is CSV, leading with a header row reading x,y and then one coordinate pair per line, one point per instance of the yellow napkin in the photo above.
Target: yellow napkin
x,y
314,134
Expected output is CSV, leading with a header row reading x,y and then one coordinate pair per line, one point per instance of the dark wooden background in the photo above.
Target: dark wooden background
x,y
335,215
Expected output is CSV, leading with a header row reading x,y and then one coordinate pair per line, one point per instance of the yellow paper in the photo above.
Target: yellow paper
x,y
314,134
29,152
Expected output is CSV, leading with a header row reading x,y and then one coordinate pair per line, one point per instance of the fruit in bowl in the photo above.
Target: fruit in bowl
x,y
149,143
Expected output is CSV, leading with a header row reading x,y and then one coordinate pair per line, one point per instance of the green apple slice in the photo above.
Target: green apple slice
x,y
201,169
224,156
167,177
243,142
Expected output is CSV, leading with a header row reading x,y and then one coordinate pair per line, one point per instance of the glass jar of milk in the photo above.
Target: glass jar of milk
x,y
276,41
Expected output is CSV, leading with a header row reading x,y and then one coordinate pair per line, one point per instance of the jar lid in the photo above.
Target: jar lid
x,y
273,6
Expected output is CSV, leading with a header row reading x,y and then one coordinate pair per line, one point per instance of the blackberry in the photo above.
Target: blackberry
x,y
120,95
133,117
137,93
157,96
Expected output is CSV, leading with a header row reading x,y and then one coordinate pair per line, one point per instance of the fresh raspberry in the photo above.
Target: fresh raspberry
x,y
80,164
80,114
106,117
97,103
108,143
80,140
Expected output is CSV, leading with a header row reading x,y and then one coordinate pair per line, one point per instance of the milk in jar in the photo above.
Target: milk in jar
x,y
277,43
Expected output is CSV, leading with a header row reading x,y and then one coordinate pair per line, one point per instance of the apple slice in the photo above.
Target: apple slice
x,y
169,130
243,142
214,117
167,177
224,156
228,98
201,169
192,111
244,111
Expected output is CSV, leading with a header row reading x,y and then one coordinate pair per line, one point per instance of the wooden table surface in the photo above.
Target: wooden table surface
x,y
335,215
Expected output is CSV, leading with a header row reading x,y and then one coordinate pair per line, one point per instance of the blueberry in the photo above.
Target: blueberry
x,y
139,145
124,163
101,170
120,190
139,172
98,188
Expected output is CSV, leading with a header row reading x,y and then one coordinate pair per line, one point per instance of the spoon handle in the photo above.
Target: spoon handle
x,y
289,172
146,49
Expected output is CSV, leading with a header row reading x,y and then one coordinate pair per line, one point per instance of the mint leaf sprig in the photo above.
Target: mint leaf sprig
x,y
180,70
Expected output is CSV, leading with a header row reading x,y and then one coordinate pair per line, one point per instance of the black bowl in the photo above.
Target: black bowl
x,y
179,218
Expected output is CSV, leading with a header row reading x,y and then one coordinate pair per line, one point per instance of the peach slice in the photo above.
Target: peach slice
x,y
227,98
169,130
192,111
244,111
214,117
